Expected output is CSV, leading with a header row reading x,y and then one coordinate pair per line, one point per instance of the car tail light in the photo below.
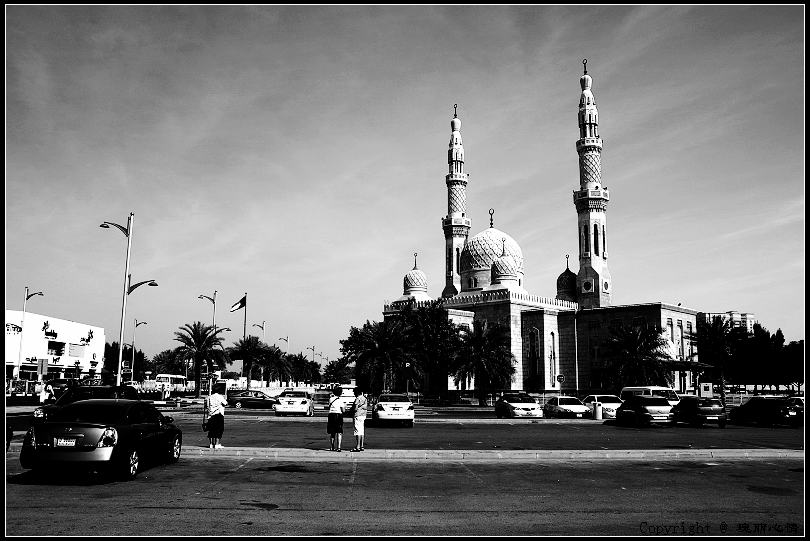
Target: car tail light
x,y
380,407
109,438
410,406
39,413
303,402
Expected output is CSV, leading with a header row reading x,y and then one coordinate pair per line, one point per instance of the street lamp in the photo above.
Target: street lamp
x,y
286,339
213,300
137,323
22,324
261,327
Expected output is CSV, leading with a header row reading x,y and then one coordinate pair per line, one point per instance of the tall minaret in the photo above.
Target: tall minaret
x,y
594,285
456,225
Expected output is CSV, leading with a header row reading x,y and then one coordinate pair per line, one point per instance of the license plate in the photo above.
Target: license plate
x,y
396,409
714,417
579,415
791,413
64,442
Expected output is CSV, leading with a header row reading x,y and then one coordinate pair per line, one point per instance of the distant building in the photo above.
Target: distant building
x,y
735,319
45,347
556,341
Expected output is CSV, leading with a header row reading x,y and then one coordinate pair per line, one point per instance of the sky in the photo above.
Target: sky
x,y
298,154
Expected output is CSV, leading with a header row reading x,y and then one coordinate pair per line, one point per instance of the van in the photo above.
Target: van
x,y
651,390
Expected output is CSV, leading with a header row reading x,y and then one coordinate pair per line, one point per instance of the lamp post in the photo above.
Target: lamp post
x,y
213,300
286,339
132,378
261,327
22,324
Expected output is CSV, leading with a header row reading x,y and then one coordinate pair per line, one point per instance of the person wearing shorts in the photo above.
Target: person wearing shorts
x,y
359,408
334,422
215,408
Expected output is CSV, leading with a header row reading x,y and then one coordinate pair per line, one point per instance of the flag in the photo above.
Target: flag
x,y
241,303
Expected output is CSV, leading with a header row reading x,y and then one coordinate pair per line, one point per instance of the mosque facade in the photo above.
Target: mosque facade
x,y
555,341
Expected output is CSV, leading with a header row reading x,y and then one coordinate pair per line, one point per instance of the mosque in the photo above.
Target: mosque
x,y
555,340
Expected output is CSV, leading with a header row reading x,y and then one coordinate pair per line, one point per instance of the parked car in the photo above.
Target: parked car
x,y
85,392
299,402
610,402
393,407
517,405
641,410
321,399
698,411
114,436
767,411
565,406
251,399
60,385
651,390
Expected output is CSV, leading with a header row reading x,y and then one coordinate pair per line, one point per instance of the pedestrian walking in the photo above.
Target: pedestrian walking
x,y
215,408
360,410
334,422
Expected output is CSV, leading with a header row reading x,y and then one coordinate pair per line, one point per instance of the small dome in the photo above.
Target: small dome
x,y
483,249
504,267
415,279
567,284
455,124
585,82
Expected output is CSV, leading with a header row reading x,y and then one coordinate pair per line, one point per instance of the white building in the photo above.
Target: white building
x,y
51,347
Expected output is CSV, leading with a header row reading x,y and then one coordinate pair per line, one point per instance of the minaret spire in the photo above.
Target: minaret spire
x,y
594,285
456,225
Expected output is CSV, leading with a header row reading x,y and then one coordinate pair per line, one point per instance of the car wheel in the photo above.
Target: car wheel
x,y
175,447
130,464
238,405
722,424
409,424
498,415
278,414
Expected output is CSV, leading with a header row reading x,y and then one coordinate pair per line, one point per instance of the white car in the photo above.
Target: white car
x,y
610,403
299,402
393,407
517,405
565,406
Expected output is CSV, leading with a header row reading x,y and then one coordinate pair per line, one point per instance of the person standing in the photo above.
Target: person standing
x,y
215,408
334,422
359,409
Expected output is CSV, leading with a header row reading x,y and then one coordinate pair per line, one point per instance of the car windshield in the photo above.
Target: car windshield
x,y
654,401
90,412
568,401
666,393
294,394
710,403
393,398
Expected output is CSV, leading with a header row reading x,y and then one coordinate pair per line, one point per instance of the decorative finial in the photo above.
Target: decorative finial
x,y
566,261
455,110
414,260
503,243
585,65
491,212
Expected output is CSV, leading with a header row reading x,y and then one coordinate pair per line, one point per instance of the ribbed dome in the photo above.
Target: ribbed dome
x,y
415,279
483,249
567,282
504,267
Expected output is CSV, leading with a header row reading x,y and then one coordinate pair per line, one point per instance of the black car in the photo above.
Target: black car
x,y
85,392
251,399
110,435
767,411
698,411
641,410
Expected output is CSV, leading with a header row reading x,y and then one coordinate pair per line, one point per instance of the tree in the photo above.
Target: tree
x,y
714,347
168,362
486,356
252,352
199,344
274,364
337,371
434,341
380,352
636,356
303,370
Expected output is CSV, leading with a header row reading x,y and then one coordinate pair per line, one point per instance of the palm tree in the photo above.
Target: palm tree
x,y
435,342
485,355
337,371
251,351
714,346
199,344
637,356
274,364
380,352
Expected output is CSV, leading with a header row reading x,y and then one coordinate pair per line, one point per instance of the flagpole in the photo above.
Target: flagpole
x,y
244,327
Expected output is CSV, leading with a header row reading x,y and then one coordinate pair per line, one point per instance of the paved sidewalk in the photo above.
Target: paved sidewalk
x,y
375,455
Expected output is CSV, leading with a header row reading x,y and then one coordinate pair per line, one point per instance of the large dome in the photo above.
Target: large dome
x,y
484,248
415,279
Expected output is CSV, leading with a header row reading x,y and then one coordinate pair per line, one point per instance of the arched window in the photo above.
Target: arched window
x,y
458,260
604,241
552,369
586,246
596,239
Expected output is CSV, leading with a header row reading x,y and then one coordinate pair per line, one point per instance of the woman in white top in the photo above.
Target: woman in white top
x,y
215,408
334,423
